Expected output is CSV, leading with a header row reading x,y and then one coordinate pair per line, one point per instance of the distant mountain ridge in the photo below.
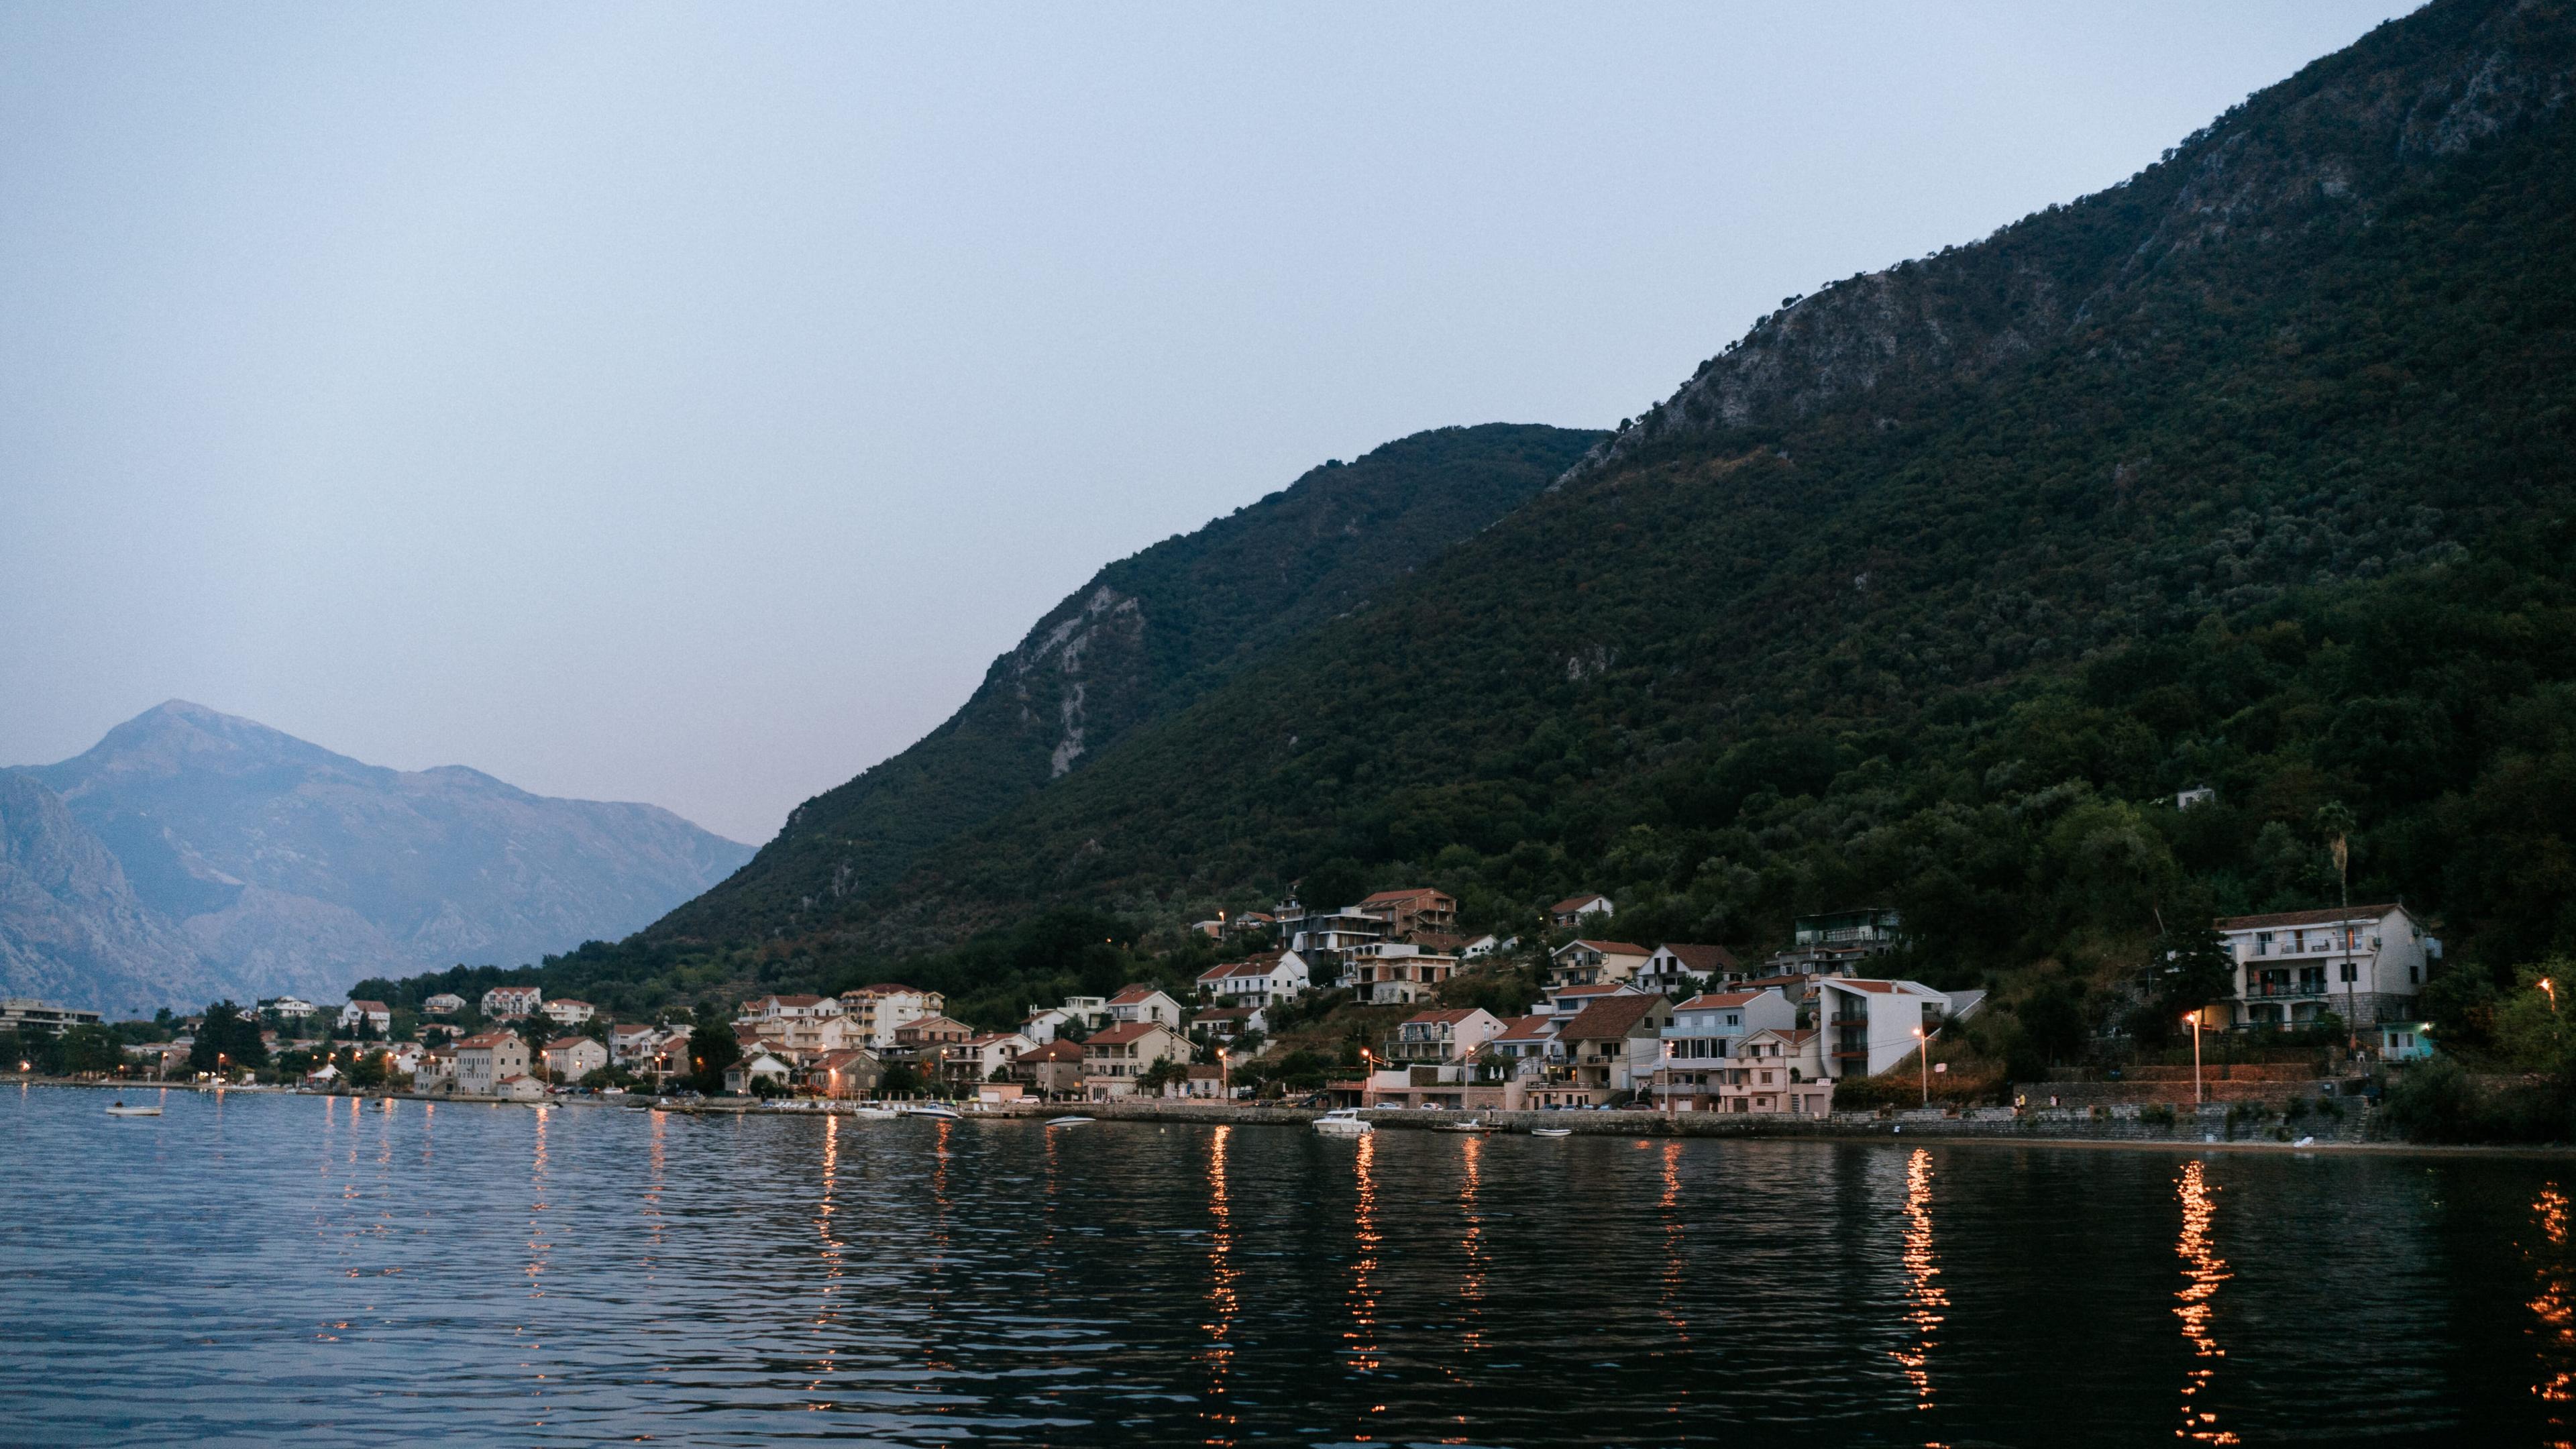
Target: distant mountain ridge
x,y
249,862
1144,638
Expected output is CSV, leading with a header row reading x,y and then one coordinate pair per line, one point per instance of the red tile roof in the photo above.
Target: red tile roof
x,y
561,1042
487,1040
1610,1016
1390,897
376,1006
1121,1035
1708,1000
1131,995
1612,948
1528,1028
1702,959
1571,902
1055,1051
1451,1014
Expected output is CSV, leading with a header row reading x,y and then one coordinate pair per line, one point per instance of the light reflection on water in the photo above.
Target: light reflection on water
x,y
257,1269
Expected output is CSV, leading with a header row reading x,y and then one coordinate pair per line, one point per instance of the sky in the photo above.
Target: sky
x,y
686,403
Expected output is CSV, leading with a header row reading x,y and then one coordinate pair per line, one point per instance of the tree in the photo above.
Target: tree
x,y
2190,968
712,1048
369,1069
900,1080
227,1041
1169,1069
91,1049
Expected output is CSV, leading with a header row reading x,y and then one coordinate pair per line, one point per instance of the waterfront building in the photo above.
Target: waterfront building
x,y
1703,1038
571,1058
1871,1023
27,1014
1615,1044
2366,964
1113,1058
757,1067
483,1061
1446,1035
881,1009
1777,1070
1053,1069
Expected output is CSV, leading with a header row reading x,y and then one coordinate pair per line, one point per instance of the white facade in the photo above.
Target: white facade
x,y
564,1011
445,1003
512,1000
373,1013
1869,1024
1259,982
1142,1004
2365,964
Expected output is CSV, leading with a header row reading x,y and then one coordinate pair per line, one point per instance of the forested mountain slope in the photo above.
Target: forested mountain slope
x,y
1145,637
2253,471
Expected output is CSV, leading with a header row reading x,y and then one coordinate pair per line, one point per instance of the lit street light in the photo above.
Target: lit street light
x,y
2196,1095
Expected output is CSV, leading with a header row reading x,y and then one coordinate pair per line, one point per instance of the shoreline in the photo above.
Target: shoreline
x,y
2002,1128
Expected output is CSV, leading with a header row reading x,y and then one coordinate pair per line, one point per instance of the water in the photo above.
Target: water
x,y
264,1269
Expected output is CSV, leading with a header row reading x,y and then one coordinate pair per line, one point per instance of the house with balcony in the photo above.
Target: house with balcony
x,y
1870,1024
1776,1070
1594,963
1837,943
2365,964
1396,973
1256,981
1565,1002
979,1057
1416,908
1330,936
1115,1057
1451,1035
1082,1013
1569,913
849,1072
565,1011
630,1041
502,1002
1702,1042
445,1003
880,1010
1220,1024
1678,969
1615,1044
378,1016
436,1071
742,1078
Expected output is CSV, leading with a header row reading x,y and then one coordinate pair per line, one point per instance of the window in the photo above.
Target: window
x,y
2414,974
2350,972
2262,943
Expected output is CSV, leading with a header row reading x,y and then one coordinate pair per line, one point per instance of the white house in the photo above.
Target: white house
x,y
1486,945
1779,1069
2366,964
445,1003
1114,1058
1562,1002
571,1058
565,1011
1702,1039
1139,1004
1047,1023
503,1001
883,1009
293,1006
631,1040
1682,968
1571,911
1453,1035
1870,1024
1258,981
374,1013
1397,973
759,1066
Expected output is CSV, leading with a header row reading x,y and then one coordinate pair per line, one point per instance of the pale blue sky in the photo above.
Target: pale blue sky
x,y
685,403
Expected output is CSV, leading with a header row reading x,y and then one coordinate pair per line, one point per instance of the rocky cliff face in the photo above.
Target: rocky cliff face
x,y
71,927
273,865
2319,155
1136,644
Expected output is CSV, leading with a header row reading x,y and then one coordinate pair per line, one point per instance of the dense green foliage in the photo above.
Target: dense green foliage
x,y
2253,472
1148,635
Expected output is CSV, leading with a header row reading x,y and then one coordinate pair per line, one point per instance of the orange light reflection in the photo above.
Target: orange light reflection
x,y
1222,1274
2203,1271
1924,1296
2553,1307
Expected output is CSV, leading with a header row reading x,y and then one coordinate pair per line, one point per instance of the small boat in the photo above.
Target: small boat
x,y
1067,1121
119,1109
1551,1131
1344,1122
874,1109
939,1110
1472,1124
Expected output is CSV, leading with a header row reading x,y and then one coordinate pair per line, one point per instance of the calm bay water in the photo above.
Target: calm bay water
x,y
263,1269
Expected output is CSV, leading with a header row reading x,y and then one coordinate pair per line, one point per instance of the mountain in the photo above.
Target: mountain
x,y
71,927
270,865
1135,645
2253,470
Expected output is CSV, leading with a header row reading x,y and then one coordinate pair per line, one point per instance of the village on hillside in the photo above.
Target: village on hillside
x,y
1382,1003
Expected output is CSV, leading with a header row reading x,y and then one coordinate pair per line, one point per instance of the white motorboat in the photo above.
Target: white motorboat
x,y
1551,1131
873,1109
1344,1122
940,1110
1068,1121
119,1109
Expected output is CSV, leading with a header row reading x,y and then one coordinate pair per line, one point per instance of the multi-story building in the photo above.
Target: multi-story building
x,y
1681,968
511,1001
1134,1004
978,1057
1396,973
2366,964
1416,908
1595,963
1703,1038
1052,1070
565,1011
484,1062
1257,981
375,1014
1115,1057
571,1058
27,1014
1569,913
882,1008
1870,1024
445,1003
1781,1069
1615,1044
1450,1035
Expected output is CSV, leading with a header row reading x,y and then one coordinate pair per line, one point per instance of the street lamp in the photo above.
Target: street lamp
x,y
1224,1081
2193,1018
1923,1044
